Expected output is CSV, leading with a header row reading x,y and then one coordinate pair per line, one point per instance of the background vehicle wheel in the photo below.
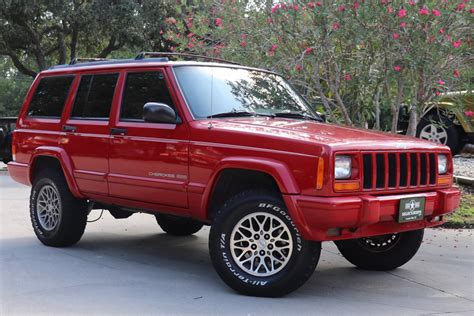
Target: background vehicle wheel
x,y
256,248
381,253
178,226
58,218
440,129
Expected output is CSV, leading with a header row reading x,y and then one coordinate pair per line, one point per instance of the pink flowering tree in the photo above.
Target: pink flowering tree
x,y
360,60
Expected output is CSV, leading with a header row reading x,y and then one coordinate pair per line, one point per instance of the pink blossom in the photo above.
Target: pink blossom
x,y
283,6
437,93
436,12
397,68
161,32
460,6
218,22
308,50
356,5
341,8
189,22
403,24
383,1
457,43
396,35
424,11
347,77
190,45
441,31
389,9
402,13
456,73
298,67
318,3
471,11
243,36
296,7
243,44
336,26
190,35
469,113
275,8
311,5
170,20
441,82
411,2
269,20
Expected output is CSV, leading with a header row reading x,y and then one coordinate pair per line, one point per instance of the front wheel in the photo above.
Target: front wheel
x,y
381,253
256,248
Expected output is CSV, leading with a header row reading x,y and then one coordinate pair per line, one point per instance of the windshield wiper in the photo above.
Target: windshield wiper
x,y
233,114
297,115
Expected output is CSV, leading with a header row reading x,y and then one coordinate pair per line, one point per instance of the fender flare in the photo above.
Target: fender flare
x,y
279,171
64,161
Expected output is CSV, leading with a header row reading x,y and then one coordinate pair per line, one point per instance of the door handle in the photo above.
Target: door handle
x,y
118,131
69,128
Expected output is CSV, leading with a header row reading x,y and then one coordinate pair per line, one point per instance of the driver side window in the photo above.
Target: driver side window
x,y
141,88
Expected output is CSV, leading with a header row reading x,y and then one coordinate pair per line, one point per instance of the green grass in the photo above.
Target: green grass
x,y
464,216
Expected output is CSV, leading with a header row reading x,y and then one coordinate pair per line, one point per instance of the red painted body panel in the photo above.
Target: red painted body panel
x,y
173,168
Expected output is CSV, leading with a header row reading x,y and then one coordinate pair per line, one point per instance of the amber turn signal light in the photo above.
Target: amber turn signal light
x,y
444,180
320,174
346,186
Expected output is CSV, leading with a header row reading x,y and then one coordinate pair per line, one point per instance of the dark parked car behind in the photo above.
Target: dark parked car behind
x,y
7,125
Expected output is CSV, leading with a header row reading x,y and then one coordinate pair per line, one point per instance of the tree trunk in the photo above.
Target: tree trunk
x,y
413,122
377,108
395,109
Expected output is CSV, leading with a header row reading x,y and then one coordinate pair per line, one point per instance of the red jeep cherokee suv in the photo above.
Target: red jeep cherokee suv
x,y
213,143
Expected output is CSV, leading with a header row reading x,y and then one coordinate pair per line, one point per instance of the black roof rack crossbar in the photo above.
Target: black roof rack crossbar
x,y
85,59
143,55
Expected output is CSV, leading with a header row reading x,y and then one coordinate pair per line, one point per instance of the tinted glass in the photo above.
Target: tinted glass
x,y
235,90
50,96
140,88
94,96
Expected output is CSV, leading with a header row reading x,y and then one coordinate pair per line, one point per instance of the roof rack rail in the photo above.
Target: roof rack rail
x,y
143,55
86,59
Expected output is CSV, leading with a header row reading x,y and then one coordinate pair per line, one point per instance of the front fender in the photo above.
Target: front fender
x,y
63,159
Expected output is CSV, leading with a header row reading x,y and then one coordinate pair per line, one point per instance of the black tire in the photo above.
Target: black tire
x,y
377,253
300,262
453,132
73,212
178,226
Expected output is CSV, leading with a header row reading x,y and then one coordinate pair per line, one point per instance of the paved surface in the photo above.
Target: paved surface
x,y
131,267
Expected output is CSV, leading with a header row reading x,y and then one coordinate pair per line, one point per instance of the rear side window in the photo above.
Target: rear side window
x,y
50,96
94,96
140,88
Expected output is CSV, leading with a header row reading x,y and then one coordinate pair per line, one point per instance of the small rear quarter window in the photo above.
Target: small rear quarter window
x,y
50,96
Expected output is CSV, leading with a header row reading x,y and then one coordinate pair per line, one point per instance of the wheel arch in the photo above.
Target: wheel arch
x,y
53,157
238,173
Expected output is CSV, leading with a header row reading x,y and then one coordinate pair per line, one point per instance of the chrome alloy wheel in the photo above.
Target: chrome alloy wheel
x,y
48,207
380,243
434,133
261,244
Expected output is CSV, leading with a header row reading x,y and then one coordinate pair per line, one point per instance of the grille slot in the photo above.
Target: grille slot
x,y
398,170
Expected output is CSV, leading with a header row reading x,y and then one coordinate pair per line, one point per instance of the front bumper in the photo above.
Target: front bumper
x,y
335,218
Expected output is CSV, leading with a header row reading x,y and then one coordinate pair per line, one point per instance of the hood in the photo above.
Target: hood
x,y
335,137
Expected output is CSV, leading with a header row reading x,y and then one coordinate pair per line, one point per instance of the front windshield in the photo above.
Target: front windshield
x,y
233,90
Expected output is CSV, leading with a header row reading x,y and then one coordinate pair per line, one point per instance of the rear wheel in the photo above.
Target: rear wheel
x,y
385,252
58,218
178,226
256,248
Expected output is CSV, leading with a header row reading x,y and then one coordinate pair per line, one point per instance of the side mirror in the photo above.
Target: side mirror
x,y
154,112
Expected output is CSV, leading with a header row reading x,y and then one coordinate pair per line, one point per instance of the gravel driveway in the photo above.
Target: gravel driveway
x,y
464,166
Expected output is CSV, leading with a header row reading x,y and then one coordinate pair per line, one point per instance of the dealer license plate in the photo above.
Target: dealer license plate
x,y
411,209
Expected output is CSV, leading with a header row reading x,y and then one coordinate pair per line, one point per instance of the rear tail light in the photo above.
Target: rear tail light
x,y
14,147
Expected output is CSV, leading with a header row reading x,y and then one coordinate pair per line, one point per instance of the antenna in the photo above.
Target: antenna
x,y
210,126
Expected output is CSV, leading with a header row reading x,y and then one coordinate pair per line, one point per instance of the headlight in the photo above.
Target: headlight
x,y
442,164
343,167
